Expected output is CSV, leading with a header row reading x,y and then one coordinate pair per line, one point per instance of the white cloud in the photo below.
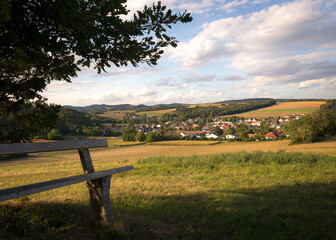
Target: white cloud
x,y
292,42
331,85
195,77
311,83
145,91
229,7
129,71
176,86
164,81
146,95
233,77
150,96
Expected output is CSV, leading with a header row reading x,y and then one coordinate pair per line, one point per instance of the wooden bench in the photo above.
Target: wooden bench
x,y
98,182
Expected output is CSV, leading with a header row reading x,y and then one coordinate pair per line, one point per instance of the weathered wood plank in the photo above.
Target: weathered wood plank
x,y
16,192
16,148
86,160
100,205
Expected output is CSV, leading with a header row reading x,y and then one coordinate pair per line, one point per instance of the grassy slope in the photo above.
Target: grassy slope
x,y
223,196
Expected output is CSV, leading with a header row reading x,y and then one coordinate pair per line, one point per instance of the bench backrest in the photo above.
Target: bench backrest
x,y
17,148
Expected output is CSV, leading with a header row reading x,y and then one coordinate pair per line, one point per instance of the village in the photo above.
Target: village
x,y
220,129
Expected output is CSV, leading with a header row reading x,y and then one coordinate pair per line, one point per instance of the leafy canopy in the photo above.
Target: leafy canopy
x,y
42,41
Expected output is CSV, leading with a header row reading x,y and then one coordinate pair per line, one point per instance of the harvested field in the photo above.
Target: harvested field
x,y
157,113
183,143
283,109
117,116
240,195
134,152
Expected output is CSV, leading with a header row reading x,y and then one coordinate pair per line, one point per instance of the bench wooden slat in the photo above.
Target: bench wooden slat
x,y
16,148
16,192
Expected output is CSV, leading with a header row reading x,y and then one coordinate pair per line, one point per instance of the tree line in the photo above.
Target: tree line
x,y
312,127
184,113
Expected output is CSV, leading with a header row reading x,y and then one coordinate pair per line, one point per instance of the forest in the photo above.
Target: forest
x,y
184,113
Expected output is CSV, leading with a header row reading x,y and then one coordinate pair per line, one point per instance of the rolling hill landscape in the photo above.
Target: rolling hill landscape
x,y
168,120
183,188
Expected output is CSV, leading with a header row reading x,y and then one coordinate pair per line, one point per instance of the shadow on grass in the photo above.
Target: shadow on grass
x,y
284,212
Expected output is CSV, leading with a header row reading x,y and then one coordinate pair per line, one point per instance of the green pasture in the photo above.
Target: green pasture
x,y
240,195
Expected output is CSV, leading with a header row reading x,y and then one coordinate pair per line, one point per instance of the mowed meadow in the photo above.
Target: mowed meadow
x,y
182,190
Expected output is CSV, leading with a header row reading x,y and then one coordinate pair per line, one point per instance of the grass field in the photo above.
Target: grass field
x,y
236,192
157,113
117,116
283,109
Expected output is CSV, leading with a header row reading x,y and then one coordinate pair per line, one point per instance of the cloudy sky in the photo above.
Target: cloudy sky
x,y
233,49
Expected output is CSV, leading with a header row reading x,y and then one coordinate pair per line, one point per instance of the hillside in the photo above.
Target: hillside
x,y
283,109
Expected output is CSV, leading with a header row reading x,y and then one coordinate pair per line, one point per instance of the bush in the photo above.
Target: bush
x,y
54,134
128,133
153,137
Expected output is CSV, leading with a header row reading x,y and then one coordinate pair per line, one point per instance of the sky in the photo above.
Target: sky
x,y
231,50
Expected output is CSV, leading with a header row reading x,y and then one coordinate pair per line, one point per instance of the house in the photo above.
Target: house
x,y
274,123
271,135
211,135
250,135
135,118
232,136
223,126
256,123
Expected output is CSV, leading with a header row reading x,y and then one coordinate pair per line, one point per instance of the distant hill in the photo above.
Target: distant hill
x,y
247,100
101,108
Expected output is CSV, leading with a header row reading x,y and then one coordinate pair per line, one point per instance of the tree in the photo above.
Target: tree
x,y
42,41
303,130
325,121
30,121
54,134
153,136
140,137
128,133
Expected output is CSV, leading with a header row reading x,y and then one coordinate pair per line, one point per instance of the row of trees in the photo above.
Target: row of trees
x,y
311,127
130,133
207,113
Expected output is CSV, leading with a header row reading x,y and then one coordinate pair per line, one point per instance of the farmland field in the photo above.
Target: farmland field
x,y
178,191
206,105
157,113
117,116
283,109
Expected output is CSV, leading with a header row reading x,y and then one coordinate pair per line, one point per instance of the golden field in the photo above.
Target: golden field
x,y
178,190
283,109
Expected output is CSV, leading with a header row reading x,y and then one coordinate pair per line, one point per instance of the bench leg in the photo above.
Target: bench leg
x,y
99,190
